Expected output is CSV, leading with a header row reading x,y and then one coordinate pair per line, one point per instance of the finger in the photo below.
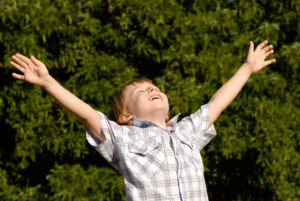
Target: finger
x,y
270,61
35,61
17,66
23,58
18,76
268,48
261,45
269,53
251,47
19,61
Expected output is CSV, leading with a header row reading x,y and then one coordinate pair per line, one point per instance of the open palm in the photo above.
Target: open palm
x,y
33,70
256,58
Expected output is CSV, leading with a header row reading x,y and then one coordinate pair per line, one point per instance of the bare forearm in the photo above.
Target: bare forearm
x,y
66,99
74,105
225,95
256,60
35,72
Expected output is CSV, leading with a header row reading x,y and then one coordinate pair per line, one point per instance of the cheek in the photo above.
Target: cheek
x,y
139,100
165,99
138,104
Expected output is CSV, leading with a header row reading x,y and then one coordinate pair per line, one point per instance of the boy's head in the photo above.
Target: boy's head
x,y
142,99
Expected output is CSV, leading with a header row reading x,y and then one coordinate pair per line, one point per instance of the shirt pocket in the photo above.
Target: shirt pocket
x,y
147,157
189,153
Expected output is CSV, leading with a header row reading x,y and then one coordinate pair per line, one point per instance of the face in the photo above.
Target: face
x,y
146,101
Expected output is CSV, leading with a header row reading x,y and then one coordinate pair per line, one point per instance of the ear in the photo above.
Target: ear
x,y
125,118
167,118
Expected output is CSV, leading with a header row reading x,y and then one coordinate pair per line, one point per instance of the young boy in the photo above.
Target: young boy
x,y
159,159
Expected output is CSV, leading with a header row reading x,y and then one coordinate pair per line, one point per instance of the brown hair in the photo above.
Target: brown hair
x,y
118,107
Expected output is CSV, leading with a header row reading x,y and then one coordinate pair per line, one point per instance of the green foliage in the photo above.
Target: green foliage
x,y
190,49
72,182
9,191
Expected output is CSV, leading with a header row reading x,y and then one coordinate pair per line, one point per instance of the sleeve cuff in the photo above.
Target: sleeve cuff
x,y
203,114
92,139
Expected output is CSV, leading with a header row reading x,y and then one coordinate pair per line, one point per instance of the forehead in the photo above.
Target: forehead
x,y
129,89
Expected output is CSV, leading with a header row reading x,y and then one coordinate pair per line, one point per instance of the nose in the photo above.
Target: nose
x,y
152,89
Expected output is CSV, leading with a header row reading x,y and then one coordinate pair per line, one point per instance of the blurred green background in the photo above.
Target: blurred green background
x,y
189,48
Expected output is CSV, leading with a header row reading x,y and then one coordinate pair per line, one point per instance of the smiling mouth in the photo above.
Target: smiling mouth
x,y
155,97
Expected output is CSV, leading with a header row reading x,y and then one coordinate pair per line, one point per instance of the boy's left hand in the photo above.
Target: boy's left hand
x,y
256,58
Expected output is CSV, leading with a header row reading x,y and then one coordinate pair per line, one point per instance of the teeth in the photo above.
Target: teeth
x,y
155,97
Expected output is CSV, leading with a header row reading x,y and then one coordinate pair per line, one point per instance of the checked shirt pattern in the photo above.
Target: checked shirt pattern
x,y
158,163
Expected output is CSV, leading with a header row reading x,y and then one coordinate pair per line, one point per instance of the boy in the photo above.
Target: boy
x,y
159,160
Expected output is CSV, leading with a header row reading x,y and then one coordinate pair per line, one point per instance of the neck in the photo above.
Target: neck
x,y
159,121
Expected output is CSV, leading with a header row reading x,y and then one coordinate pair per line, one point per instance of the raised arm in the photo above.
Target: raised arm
x,y
35,72
225,95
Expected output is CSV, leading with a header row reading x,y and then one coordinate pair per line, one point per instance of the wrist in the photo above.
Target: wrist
x,y
47,82
247,68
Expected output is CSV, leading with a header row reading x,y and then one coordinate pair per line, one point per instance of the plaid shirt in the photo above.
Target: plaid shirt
x,y
158,163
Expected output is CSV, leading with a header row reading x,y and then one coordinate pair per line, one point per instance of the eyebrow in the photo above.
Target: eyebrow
x,y
146,87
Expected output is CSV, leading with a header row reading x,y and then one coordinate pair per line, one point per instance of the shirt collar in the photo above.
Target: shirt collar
x,y
144,123
173,121
141,123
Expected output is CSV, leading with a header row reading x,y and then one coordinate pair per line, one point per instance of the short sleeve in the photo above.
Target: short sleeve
x,y
108,149
197,126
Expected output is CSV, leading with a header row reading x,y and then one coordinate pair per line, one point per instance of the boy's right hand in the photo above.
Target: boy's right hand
x,y
34,71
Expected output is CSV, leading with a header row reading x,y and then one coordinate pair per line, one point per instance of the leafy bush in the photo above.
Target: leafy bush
x,y
190,49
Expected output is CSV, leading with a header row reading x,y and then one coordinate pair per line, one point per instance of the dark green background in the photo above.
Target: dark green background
x,y
189,48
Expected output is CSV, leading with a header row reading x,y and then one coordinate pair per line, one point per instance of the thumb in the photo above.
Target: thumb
x,y
251,47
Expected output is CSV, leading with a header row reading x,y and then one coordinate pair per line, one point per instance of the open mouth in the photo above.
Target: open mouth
x,y
155,97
